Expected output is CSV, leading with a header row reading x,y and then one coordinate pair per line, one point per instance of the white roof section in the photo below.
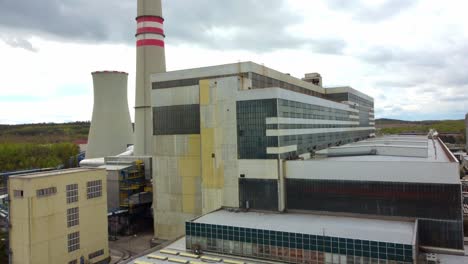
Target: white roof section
x,y
411,159
394,148
53,173
179,252
230,69
334,226
115,167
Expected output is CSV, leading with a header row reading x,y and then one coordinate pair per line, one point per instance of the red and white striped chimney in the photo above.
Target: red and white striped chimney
x,y
150,59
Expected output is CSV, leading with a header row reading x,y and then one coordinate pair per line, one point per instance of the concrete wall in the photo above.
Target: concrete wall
x,y
218,126
176,184
390,171
259,169
39,225
195,174
113,189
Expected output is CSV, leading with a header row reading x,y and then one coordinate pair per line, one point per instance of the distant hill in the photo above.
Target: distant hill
x,y
44,132
394,126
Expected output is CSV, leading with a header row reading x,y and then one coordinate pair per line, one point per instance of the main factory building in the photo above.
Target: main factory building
x,y
247,161
214,127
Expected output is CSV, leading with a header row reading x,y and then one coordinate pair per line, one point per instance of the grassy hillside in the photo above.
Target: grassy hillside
x,y
44,133
392,126
32,146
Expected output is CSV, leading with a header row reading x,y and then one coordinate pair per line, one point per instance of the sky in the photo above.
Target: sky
x,y
410,56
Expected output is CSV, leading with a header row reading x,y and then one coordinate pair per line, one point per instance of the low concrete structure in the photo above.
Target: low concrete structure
x,y
58,217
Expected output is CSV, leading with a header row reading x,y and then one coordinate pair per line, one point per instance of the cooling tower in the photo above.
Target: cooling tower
x,y
111,128
150,59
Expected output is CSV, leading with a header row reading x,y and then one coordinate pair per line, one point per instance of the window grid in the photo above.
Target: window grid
x,y
73,217
293,247
73,241
46,192
18,193
96,254
72,193
94,189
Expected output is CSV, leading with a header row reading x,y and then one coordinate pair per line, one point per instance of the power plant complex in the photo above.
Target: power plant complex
x,y
251,165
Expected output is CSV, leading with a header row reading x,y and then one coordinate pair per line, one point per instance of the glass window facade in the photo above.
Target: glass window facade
x,y
176,120
418,200
251,128
252,141
260,194
292,247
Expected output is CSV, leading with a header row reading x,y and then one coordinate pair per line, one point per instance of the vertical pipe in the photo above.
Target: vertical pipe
x,y
150,59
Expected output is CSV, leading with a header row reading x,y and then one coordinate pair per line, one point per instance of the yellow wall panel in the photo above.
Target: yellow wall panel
x,y
194,146
189,185
189,167
204,92
189,204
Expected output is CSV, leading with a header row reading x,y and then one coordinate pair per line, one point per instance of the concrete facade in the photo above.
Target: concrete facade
x,y
41,223
198,159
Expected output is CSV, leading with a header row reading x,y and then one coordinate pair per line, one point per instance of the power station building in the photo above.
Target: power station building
x,y
215,125
58,217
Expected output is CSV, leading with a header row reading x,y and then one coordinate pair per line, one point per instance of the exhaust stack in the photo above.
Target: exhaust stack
x,y
150,59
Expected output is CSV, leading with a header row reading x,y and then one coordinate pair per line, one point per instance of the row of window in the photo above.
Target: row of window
x,y
292,255
96,254
94,189
46,192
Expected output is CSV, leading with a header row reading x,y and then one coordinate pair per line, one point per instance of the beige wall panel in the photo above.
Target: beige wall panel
x,y
42,222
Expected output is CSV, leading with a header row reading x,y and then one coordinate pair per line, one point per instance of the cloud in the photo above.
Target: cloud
x,y
372,11
259,26
77,20
17,42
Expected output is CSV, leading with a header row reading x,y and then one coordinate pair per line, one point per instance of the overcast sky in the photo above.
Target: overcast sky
x,y
411,56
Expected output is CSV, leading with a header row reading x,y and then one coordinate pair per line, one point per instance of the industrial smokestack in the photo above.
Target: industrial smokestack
x,y
150,59
111,128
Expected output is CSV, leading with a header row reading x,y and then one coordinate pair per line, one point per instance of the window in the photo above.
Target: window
x,y
94,189
73,241
96,254
73,217
73,261
18,193
72,193
46,192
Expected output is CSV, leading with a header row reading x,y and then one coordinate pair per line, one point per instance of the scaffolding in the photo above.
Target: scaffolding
x,y
131,181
